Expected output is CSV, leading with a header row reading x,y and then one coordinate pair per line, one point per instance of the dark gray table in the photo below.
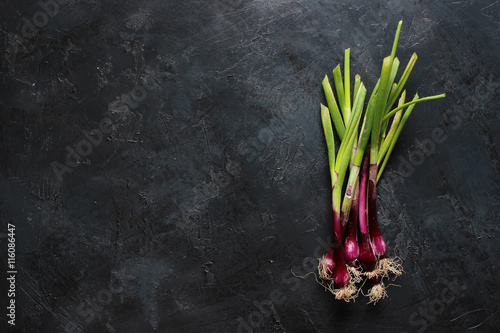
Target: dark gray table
x,y
164,166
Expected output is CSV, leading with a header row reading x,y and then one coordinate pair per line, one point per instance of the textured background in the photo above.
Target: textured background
x,y
211,182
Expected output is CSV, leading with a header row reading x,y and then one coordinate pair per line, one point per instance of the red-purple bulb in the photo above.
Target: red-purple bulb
x,y
378,243
340,274
351,249
375,280
366,254
327,264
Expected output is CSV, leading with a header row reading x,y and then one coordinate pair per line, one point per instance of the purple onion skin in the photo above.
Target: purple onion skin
x,y
375,280
340,274
363,183
328,260
366,254
351,247
351,250
378,243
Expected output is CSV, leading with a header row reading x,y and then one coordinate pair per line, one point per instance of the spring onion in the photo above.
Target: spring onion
x,y
366,139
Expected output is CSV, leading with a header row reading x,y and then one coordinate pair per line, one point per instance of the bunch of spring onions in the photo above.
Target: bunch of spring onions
x,y
366,140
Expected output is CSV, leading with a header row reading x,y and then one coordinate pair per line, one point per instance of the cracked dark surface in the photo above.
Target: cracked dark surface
x,y
212,184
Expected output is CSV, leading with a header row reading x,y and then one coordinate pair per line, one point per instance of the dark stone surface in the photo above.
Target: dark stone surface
x,y
212,184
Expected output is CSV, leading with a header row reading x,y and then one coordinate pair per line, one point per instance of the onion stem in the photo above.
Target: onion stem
x,y
361,157
423,99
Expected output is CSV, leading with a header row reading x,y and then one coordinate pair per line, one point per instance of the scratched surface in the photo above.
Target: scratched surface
x,y
164,165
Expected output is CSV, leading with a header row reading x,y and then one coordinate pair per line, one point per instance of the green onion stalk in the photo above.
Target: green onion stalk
x,y
363,146
332,267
